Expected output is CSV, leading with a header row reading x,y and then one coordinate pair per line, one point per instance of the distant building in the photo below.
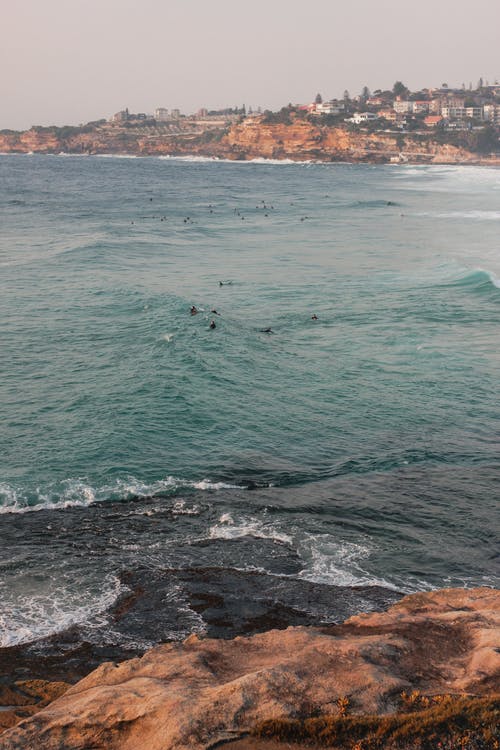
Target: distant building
x,y
402,106
388,114
432,121
329,108
121,116
491,113
203,112
462,113
161,114
175,114
360,117
409,107
420,107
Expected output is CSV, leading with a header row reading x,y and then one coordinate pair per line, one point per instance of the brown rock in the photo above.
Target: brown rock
x,y
253,138
26,697
193,694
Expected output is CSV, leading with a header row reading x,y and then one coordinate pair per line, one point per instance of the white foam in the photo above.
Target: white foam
x,y
28,618
495,280
336,562
65,153
193,158
228,528
259,160
476,215
452,178
116,156
206,484
262,160
80,493
180,508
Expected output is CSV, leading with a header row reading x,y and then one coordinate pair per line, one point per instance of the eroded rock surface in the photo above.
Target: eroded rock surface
x,y
26,697
190,695
253,138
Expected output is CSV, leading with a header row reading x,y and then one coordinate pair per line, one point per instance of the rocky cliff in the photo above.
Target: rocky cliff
x,y
253,138
192,695
304,140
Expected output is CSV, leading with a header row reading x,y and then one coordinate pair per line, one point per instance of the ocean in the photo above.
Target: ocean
x,y
159,477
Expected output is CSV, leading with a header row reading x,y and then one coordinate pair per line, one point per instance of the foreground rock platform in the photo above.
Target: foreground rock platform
x,y
195,694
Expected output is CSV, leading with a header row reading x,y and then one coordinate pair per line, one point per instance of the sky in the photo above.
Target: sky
x,y
66,62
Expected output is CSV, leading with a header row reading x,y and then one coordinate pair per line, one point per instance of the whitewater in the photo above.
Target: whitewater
x,y
238,476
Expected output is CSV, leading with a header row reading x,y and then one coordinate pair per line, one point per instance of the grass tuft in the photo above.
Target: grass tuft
x,y
425,723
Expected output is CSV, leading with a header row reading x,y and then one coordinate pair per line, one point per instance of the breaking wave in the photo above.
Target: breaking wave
x,y
478,279
259,160
79,492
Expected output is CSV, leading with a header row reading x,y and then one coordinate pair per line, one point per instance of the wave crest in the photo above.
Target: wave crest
x,y
79,492
479,279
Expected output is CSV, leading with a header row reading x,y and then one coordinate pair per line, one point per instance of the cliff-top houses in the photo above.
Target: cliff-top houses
x,y
400,108
430,108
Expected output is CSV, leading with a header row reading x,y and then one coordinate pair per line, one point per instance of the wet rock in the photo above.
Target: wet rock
x,y
190,695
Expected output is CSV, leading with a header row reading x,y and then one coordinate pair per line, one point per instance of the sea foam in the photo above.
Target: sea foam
x,y
81,493
31,618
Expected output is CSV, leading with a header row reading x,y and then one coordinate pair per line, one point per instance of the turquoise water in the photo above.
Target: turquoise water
x,y
366,440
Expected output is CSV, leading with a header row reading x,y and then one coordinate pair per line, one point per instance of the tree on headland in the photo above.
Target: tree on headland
x,y
365,94
319,99
399,89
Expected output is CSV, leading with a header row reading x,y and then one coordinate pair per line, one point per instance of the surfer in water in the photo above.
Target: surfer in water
x,y
212,324
314,316
193,310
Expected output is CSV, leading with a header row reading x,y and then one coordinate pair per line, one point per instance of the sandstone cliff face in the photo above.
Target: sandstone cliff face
x,y
304,140
253,138
189,696
31,140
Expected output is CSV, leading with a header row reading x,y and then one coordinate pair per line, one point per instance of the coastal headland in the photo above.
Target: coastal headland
x,y
423,672
258,137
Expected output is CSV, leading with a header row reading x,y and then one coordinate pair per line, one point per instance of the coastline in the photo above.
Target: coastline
x,y
249,140
369,491
265,161
204,691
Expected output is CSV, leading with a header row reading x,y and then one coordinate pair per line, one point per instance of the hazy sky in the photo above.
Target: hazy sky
x,y
71,61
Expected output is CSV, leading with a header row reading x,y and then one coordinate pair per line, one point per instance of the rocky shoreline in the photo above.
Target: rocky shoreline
x,y
253,138
423,650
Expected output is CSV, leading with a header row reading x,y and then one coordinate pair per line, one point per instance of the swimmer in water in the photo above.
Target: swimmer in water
x,y
212,324
314,316
193,310
266,330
